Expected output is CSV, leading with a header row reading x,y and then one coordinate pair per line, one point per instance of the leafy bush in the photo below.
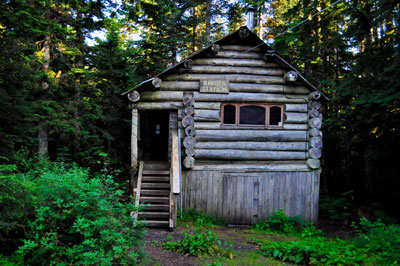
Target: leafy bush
x,y
381,240
280,223
78,220
16,208
315,251
200,219
337,208
198,244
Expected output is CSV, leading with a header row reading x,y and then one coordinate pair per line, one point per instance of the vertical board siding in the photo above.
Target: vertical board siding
x,y
245,198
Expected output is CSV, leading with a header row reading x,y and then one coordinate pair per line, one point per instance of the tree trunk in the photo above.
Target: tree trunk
x,y
43,127
208,21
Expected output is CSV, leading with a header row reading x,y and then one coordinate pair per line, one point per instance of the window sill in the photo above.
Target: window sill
x,y
249,127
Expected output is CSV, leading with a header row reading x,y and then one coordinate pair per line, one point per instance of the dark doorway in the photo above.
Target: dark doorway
x,y
154,135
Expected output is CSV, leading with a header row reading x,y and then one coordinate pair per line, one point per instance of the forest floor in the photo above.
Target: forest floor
x,y
243,249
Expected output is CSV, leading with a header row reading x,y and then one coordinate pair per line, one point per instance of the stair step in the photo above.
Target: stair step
x,y
155,223
154,200
156,166
155,185
154,215
156,207
155,178
156,172
152,192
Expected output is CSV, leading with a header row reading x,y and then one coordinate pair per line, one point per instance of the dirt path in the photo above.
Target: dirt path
x,y
245,253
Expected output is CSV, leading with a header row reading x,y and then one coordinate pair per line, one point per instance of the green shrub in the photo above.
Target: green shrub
x,y
336,208
314,251
198,244
16,208
79,220
280,223
200,219
381,240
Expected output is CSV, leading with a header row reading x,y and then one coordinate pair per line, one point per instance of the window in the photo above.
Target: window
x,y
229,114
258,115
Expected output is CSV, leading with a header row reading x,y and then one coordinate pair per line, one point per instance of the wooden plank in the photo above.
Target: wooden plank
x,y
241,97
292,117
217,125
229,54
175,166
134,138
251,167
253,145
159,105
155,172
207,115
139,186
234,154
240,48
169,96
244,78
182,85
301,108
234,62
207,105
250,135
210,69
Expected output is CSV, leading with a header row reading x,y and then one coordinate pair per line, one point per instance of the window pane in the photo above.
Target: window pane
x,y
252,115
275,116
229,114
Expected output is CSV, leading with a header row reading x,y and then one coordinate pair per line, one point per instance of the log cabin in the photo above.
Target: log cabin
x,y
233,131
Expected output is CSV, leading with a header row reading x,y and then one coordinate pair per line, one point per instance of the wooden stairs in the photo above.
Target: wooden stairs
x,y
158,189
155,193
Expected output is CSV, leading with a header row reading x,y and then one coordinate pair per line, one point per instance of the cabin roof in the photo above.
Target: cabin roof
x,y
251,39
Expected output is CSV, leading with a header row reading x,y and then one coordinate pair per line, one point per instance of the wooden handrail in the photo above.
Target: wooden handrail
x,y
138,188
175,184
174,180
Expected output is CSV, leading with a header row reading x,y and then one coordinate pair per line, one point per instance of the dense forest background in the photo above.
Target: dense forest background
x,y
64,64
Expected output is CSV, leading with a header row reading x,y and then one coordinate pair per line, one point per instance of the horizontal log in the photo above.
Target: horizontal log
x,y
207,105
250,135
252,167
162,96
267,88
159,105
249,155
261,79
246,97
231,70
303,108
253,145
233,62
217,125
241,48
292,117
236,87
236,54
207,115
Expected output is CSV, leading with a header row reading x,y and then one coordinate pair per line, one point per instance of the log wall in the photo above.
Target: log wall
x,y
245,198
251,79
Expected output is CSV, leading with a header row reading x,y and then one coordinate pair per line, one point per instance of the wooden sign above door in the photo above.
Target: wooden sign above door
x,y
214,86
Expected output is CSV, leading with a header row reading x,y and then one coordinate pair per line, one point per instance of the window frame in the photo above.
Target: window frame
x,y
267,107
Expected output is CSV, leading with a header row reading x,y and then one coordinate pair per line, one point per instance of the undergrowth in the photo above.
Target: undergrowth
x,y
375,243
199,243
198,219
